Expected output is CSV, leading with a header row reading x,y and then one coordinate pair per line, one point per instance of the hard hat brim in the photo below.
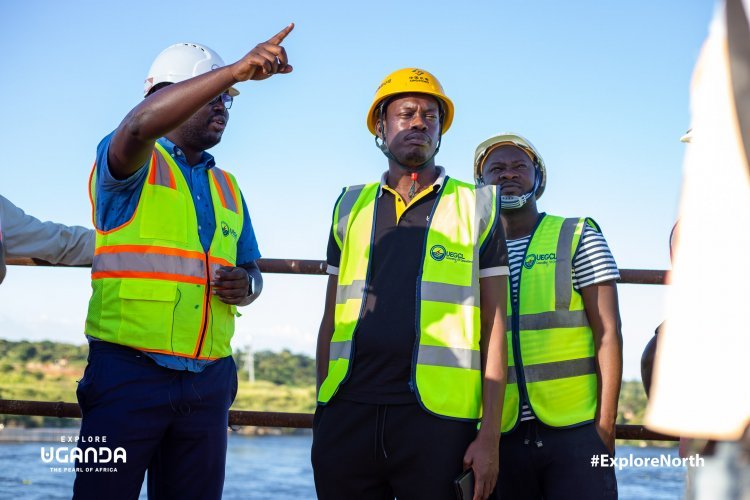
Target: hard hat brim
x,y
447,105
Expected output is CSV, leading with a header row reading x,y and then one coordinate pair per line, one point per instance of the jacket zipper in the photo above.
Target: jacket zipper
x,y
516,333
417,305
206,300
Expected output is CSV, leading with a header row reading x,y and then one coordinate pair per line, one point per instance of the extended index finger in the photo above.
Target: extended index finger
x,y
279,37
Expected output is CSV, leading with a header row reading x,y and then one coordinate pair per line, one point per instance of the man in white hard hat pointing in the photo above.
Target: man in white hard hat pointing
x,y
175,255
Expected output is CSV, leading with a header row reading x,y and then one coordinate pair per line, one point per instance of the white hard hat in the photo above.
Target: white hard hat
x,y
688,137
510,138
181,62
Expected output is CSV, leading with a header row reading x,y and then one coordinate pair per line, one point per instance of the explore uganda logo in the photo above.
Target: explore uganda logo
x,y
439,253
541,258
91,459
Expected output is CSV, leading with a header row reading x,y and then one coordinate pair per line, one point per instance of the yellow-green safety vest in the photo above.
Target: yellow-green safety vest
x,y
150,276
446,368
551,361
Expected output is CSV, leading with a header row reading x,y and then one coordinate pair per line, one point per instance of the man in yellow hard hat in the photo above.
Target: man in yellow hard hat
x,y
565,370
411,345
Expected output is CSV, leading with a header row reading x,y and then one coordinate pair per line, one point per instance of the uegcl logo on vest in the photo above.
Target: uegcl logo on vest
x,y
226,230
539,258
439,253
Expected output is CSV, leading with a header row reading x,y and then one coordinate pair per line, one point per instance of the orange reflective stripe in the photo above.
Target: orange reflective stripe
x,y
215,263
161,351
219,261
224,188
204,323
154,276
149,263
152,169
159,172
219,190
191,254
231,191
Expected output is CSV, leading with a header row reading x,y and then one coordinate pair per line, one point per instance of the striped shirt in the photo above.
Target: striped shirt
x,y
592,263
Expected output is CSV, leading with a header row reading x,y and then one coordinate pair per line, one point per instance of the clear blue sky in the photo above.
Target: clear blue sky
x,y
600,87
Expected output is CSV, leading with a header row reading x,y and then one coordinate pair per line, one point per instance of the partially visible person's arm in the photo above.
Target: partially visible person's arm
x,y
603,312
165,110
483,455
27,236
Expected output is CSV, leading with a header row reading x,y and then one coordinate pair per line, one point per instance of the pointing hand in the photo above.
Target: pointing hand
x,y
266,59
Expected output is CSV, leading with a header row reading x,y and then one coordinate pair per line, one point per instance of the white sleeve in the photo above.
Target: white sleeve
x,y
27,236
593,262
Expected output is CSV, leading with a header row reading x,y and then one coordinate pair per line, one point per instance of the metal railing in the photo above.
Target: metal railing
x,y
304,420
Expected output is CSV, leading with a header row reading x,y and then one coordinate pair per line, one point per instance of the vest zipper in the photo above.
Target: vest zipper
x,y
417,305
206,306
516,331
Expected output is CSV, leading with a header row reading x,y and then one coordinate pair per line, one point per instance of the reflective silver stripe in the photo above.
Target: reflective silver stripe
x,y
162,176
346,204
226,189
482,211
340,350
214,266
512,379
553,319
564,264
451,357
559,369
149,263
452,294
348,292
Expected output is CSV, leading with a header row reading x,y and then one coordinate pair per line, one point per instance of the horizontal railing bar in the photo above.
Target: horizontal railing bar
x,y
318,267
256,418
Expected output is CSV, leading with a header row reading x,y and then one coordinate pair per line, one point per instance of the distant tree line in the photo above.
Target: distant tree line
x,y
282,368
44,351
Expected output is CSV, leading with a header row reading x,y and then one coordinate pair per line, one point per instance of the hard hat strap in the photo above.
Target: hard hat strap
x,y
516,202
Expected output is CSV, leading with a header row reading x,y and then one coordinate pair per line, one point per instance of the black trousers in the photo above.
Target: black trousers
x,y
173,423
542,462
364,451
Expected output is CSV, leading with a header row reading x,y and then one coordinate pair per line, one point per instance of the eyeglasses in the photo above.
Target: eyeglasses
x,y
225,98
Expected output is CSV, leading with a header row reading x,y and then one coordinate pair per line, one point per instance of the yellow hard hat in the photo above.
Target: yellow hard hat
x,y
408,80
510,139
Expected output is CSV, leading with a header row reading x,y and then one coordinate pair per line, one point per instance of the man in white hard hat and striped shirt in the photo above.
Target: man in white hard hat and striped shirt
x,y
564,342
175,255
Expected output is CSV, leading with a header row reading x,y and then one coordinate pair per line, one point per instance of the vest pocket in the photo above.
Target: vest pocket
x,y
165,217
147,312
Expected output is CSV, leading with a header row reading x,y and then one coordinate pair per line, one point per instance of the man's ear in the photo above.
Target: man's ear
x,y
379,129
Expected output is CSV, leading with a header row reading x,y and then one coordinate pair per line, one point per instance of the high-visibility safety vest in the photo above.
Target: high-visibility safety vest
x,y
446,367
551,363
150,276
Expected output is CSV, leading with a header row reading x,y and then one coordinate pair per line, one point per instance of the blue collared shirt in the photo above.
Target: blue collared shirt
x,y
116,201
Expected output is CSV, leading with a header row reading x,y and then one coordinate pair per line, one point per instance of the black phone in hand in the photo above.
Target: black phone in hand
x,y
464,485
